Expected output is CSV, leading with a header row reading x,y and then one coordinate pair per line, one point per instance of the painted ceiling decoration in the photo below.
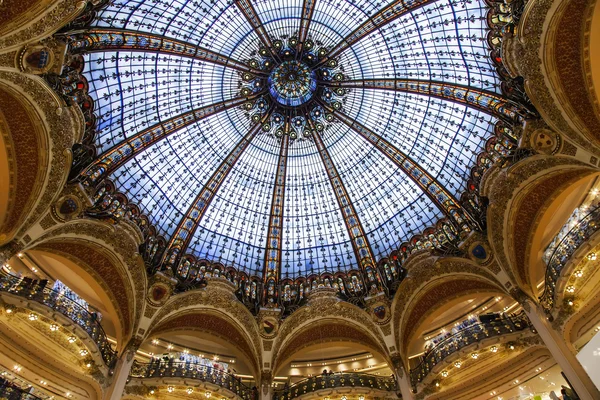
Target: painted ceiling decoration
x,y
291,144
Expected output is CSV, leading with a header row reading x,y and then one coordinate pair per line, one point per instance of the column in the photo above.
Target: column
x,y
403,380
266,385
120,375
561,352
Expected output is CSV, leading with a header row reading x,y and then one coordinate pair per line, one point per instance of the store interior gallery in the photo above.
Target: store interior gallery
x,y
299,199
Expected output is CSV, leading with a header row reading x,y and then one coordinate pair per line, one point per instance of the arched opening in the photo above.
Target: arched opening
x,y
554,223
213,334
23,158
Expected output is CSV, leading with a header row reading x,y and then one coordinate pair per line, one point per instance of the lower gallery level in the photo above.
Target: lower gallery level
x,y
299,199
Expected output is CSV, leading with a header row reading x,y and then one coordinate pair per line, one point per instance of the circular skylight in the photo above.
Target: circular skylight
x,y
291,137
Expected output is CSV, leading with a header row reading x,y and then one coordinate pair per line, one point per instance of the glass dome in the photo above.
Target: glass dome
x,y
291,137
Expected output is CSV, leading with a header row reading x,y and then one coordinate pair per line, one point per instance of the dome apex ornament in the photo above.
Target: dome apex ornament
x,y
299,80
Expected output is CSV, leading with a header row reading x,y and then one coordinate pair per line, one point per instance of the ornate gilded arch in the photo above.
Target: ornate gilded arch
x,y
37,131
326,319
109,254
518,199
557,77
218,300
430,282
213,322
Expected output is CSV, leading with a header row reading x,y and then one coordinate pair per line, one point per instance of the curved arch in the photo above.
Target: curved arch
x,y
566,65
217,297
325,330
108,254
214,323
38,132
519,196
24,158
329,309
450,277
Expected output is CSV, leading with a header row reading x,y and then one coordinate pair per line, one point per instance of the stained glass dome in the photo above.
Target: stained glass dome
x,y
292,137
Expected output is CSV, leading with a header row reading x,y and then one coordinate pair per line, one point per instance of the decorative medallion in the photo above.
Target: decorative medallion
x,y
381,312
299,86
545,141
480,252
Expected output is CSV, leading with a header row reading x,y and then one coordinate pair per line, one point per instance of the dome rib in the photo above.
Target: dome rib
x,y
101,40
120,154
272,266
188,224
480,99
443,199
394,10
308,8
360,242
249,12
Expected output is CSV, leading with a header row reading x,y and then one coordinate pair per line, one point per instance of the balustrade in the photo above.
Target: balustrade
x,y
9,391
172,368
337,380
579,234
465,337
37,291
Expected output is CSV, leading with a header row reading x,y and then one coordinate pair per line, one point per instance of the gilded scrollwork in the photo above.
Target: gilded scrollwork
x,y
64,124
114,237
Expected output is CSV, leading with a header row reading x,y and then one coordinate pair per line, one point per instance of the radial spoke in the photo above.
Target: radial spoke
x,y
384,16
246,7
120,154
443,199
189,222
308,7
483,100
273,254
99,40
360,243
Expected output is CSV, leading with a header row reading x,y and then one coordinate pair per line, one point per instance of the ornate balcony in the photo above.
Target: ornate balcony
x,y
56,301
12,392
579,234
465,337
160,368
336,381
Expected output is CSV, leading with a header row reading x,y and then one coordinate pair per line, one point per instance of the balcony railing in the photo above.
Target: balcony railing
x,y
337,380
172,368
36,291
12,392
578,235
465,337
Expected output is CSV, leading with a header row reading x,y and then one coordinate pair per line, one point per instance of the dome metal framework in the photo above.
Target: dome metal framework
x,y
290,139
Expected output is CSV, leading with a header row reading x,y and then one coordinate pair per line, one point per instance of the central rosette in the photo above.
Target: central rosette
x,y
292,83
293,88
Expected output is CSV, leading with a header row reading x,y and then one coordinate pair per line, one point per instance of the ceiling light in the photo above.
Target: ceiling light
x,y
33,317
155,342
474,356
444,373
579,273
207,394
189,390
571,289
592,256
170,389
494,349
53,327
457,364
83,353
72,339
